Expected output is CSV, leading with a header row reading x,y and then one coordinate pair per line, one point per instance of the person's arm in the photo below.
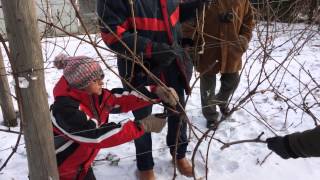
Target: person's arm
x,y
117,32
248,22
123,100
116,24
77,126
305,144
245,33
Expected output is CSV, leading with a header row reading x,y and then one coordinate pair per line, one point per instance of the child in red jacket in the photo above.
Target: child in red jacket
x,y
80,116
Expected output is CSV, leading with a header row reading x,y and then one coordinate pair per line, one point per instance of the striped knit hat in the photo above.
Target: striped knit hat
x,y
79,71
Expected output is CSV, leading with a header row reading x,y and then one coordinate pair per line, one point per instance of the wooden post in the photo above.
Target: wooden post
x,y
27,62
9,115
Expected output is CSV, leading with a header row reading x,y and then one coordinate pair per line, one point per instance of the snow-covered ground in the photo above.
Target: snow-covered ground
x,y
240,161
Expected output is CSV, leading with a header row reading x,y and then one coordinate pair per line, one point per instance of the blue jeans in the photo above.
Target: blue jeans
x,y
144,143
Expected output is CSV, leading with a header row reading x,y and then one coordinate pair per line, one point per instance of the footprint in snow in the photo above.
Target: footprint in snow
x,y
232,166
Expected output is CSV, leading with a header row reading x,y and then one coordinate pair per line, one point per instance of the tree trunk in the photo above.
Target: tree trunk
x,y
27,63
87,9
9,115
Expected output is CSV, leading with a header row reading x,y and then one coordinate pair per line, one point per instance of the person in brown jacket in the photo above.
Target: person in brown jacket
x,y
227,29
296,145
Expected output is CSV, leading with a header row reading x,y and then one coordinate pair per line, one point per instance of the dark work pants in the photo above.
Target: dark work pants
x,y
209,99
144,143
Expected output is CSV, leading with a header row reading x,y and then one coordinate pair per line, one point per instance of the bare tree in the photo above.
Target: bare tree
x,y
275,44
27,64
6,104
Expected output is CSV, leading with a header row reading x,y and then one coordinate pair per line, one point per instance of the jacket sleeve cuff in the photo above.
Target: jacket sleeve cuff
x,y
139,125
288,148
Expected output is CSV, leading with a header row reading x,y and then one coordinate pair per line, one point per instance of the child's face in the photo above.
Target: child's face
x,y
95,87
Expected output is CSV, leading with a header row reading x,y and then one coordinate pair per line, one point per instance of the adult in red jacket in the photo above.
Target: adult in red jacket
x,y
157,41
80,116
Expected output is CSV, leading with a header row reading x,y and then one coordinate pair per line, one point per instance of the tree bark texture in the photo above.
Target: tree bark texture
x,y
9,115
24,41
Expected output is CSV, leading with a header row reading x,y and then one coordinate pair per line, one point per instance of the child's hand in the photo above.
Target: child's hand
x,y
153,123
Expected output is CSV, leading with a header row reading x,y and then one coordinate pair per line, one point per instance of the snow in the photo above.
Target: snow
x,y
240,161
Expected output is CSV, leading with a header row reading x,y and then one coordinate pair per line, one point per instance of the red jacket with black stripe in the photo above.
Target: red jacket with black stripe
x,y
156,21
81,127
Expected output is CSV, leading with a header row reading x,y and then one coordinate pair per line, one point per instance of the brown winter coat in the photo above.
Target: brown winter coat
x,y
222,39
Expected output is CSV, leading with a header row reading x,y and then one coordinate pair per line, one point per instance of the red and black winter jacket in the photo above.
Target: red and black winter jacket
x,y
157,21
81,127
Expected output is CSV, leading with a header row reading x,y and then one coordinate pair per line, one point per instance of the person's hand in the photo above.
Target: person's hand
x,y
277,144
153,123
243,43
168,96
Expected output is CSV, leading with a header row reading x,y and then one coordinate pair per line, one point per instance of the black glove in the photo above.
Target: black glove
x,y
280,145
162,54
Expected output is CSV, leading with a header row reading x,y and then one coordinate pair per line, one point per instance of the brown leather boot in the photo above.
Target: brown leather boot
x,y
146,175
184,167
